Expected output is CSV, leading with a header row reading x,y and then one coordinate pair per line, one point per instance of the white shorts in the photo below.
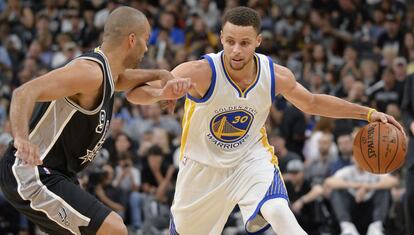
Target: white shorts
x,y
205,196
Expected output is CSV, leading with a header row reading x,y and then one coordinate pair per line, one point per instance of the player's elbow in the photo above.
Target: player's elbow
x,y
132,97
23,92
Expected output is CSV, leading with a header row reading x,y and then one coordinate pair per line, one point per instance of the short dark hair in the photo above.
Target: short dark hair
x,y
242,16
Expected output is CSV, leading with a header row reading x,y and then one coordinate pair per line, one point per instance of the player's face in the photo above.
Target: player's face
x,y
239,43
138,46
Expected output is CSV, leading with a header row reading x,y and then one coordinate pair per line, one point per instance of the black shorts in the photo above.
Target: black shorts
x,y
49,198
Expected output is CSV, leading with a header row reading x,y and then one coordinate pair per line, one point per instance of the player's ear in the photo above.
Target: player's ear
x,y
132,39
258,40
221,37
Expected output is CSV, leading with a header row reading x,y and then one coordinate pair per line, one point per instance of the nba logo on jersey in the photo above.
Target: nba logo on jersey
x,y
229,127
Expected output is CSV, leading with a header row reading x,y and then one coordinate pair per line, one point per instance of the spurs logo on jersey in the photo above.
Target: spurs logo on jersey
x,y
230,126
102,126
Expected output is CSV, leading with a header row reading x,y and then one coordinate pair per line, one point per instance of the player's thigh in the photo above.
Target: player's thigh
x,y
52,201
201,204
75,206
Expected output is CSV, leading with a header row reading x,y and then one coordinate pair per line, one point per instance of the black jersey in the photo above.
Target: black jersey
x,y
69,137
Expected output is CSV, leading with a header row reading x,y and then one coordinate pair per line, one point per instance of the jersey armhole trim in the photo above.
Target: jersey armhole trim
x,y
272,80
212,84
77,106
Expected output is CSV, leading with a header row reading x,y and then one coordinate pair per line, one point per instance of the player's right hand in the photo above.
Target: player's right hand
x,y
27,152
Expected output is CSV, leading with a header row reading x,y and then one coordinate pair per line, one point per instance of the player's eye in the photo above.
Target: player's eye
x,y
231,42
244,43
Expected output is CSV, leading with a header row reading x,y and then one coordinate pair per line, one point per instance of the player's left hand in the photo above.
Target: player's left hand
x,y
385,118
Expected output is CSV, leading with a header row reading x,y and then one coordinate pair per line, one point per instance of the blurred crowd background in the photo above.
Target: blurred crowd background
x,y
358,50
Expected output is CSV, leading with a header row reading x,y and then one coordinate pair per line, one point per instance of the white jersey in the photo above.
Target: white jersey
x,y
227,124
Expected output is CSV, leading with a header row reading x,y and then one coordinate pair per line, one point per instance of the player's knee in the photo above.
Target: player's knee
x,y
113,224
276,210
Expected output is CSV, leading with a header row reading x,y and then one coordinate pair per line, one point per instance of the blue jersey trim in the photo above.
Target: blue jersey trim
x,y
257,78
172,229
272,80
227,76
276,190
212,84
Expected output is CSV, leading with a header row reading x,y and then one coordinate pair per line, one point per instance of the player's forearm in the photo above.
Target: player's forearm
x,y
312,195
386,182
144,95
133,78
338,183
333,107
21,108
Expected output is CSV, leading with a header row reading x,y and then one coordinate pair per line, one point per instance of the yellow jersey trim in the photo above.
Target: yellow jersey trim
x,y
188,113
269,148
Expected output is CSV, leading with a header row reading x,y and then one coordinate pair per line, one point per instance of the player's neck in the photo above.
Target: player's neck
x,y
239,76
115,63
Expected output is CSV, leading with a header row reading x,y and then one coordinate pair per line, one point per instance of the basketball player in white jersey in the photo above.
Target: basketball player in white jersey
x,y
225,156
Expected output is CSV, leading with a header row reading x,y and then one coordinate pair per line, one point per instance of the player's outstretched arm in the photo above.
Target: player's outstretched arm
x,y
149,94
323,105
81,77
197,75
132,78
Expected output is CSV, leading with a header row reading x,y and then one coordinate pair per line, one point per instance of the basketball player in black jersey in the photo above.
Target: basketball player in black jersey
x,y
70,111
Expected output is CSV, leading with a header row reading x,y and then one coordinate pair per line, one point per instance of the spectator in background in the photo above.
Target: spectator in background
x,y
128,178
369,70
399,67
392,36
152,117
318,169
292,128
100,185
409,46
360,198
70,51
311,149
162,139
345,147
385,91
208,12
318,61
350,65
102,15
123,147
167,24
157,184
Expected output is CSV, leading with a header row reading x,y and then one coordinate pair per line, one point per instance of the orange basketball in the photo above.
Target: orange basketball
x,y
380,148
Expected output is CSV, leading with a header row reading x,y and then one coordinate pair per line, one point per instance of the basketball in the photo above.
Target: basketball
x,y
380,148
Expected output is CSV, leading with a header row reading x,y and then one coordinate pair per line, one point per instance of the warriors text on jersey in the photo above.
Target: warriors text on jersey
x,y
227,124
68,136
